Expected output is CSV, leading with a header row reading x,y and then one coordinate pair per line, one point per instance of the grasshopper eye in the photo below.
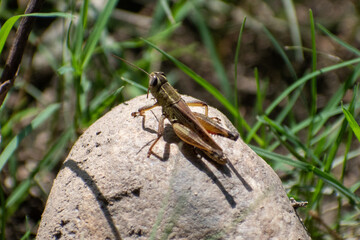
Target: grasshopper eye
x,y
153,81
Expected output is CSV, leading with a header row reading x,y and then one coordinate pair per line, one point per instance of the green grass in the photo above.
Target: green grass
x,y
306,150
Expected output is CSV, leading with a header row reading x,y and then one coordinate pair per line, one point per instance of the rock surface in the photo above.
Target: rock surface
x,y
109,189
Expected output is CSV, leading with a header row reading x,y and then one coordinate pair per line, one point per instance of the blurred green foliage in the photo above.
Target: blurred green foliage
x,y
286,111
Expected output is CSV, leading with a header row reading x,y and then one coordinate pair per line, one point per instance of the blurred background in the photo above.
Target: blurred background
x,y
69,78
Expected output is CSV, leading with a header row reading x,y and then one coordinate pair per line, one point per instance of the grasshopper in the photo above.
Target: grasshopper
x,y
191,127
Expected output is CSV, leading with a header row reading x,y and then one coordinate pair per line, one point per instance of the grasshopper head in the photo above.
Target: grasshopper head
x,y
156,80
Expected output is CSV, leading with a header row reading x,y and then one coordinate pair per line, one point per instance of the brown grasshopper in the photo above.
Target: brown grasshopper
x,y
191,127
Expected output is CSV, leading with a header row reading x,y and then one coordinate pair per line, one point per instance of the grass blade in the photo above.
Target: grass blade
x,y
330,156
352,122
97,107
6,28
6,129
338,40
96,32
14,143
209,43
134,83
326,177
281,51
79,37
17,195
295,85
294,28
167,10
238,120
336,98
313,80
281,131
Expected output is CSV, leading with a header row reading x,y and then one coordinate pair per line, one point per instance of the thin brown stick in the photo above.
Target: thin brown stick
x,y
17,49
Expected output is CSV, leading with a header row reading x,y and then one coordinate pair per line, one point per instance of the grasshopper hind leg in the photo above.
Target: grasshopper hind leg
x,y
191,138
198,103
212,126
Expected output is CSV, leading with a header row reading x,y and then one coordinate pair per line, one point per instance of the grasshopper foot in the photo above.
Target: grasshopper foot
x,y
135,114
149,153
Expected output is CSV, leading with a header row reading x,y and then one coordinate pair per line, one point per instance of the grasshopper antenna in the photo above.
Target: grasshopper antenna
x,y
134,66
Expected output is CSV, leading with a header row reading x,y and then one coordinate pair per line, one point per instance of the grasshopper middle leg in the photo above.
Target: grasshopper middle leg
x,y
159,134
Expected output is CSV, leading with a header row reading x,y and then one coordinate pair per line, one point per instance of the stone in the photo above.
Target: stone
x,y
109,189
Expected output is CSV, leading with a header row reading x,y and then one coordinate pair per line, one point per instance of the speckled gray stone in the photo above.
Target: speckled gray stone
x,y
109,189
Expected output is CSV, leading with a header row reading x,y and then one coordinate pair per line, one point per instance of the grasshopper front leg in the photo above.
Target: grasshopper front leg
x,y
142,110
